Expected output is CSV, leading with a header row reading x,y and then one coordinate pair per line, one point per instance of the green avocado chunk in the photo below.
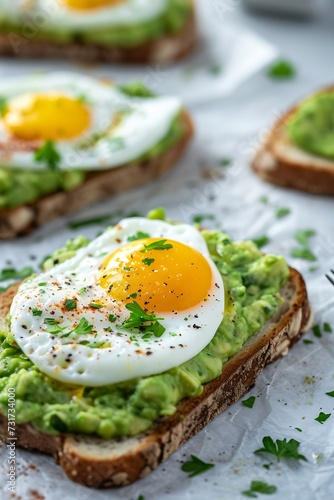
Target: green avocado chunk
x,y
312,126
252,287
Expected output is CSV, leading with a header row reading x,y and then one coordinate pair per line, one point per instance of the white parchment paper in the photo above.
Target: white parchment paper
x,y
291,392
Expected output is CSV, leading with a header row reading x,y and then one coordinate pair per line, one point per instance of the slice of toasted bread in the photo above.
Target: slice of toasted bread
x,y
21,220
281,162
164,50
98,463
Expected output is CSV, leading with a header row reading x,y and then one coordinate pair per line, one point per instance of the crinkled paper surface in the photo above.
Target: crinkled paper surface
x,y
291,392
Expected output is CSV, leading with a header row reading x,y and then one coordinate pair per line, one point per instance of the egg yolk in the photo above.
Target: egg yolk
x,y
89,4
160,280
49,116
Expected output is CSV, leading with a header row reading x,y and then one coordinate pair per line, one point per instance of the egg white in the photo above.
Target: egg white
x,y
124,360
145,122
51,14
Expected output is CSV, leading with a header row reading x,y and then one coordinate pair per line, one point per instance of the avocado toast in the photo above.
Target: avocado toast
x,y
298,151
112,435
104,31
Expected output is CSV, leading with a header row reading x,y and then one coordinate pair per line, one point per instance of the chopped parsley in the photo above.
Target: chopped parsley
x,y
215,69
89,222
36,312
249,403
327,328
95,305
298,429
133,295
304,235
281,70
316,331
146,323
261,241
92,344
224,162
322,417
198,219
82,290
259,487
307,341
49,155
303,253
148,262
42,283
70,304
264,200
157,245
138,236
83,327
282,212
10,273
196,466
53,327
281,449
112,318
331,394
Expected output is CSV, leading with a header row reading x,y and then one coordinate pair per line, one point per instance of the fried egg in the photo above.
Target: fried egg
x,y
142,298
84,14
92,124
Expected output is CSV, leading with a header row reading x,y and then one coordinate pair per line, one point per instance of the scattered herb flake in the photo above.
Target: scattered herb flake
x,y
148,261
281,449
133,295
198,219
70,304
303,253
331,394
249,403
157,245
316,331
195,466
264,200
281,70
138,236
53,327
112,318
90,222
83,327
49,155
298,429
145,323
10,273
215,69
259,487
304,235
307,341
224,162
3,102
322,417
36,312
95,305
261,241
327,328
282,212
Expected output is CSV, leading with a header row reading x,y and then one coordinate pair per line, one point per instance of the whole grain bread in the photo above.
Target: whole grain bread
x,y
281,162
95,462
164,50
23,219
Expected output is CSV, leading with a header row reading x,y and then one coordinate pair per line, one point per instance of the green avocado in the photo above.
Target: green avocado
x,y
252,285
171,21
311,127
19,187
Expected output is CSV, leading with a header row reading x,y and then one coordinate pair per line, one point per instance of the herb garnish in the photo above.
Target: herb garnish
x,y
195,466
281,70
70,304
48,154
307,341
53,327
282,212
249,403
261,241
303,253
148,262
259,487
331,394
36,312
198,219
138,236
322,417
83,328
146,323
88,222
316,331
10,273
224,162
327,328
157,245
281,449
304,235
3,102
95,305
112,318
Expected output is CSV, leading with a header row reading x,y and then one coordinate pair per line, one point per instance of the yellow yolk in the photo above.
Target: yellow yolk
x,y
160,281
49,116
89,4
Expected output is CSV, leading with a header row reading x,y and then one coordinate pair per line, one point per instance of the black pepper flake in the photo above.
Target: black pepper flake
x,y
197,327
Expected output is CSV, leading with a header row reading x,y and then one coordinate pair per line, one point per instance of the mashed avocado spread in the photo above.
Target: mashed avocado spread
x,y
19,187
171,21
312,126
252,285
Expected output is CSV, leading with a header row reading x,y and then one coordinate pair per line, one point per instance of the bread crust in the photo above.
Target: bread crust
x,y
95,462
97,186
279,162
164,50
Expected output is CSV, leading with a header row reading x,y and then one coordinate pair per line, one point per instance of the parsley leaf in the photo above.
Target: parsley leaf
x,y
157,245
148,262
259,487
307,341
304,235
198,219
249,403
112,318
53,327
224,162
70,304
316,331
282,212
89,222
322,417
10,274
327,328
3,102
83,327
146,323
48,154
261,241
36,312
281,449
281,70
138,236
303,253
95,305
331,394
195,466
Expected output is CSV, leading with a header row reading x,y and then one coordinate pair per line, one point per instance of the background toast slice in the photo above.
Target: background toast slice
x,y
281,162
163,50
95,462
23,219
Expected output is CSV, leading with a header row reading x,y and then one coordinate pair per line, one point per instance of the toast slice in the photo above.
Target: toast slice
x,y
166,49
281,162
95,462
23,219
